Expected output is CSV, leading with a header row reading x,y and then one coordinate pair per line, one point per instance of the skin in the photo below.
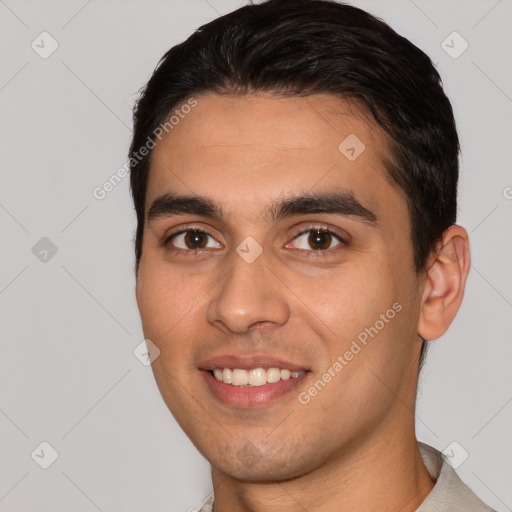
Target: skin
x,y
353,446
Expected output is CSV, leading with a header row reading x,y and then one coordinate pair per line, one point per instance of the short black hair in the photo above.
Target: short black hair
x,y
305,47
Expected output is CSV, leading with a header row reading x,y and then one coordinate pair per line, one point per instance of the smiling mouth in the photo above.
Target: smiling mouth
x,y
255,377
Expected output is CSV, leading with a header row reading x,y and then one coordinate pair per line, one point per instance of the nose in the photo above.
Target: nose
x,y
249,294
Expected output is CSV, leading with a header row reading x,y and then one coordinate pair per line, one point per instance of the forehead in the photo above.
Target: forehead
x,y
242,149
271,120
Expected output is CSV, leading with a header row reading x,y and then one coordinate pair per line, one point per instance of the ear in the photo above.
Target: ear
x,y
446,279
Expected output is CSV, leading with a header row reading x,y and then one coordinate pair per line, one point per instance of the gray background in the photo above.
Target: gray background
x,y
69,322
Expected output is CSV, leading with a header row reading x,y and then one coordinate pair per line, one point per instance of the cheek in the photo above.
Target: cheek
x,y
365,320
366,367
163,299
172,310
149,300
348,300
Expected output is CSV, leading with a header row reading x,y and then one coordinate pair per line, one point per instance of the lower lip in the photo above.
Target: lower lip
x,y
251,397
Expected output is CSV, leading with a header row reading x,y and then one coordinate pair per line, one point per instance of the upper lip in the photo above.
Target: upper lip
x,y
248,362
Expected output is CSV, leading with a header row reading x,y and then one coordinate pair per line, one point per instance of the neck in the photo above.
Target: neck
x,y
385,473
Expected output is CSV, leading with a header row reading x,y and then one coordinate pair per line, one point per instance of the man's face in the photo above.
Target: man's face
x,y
297,288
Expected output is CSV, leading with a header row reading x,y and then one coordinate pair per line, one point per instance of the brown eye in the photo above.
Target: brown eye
x,y
191,240
195,239
316,239
319,240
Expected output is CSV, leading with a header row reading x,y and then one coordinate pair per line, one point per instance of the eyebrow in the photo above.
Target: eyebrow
x,y
338,203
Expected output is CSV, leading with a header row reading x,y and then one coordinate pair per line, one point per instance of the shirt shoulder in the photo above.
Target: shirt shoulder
x,y
208,506
450,493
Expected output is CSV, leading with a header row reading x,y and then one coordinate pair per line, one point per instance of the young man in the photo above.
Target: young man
x,y
294,171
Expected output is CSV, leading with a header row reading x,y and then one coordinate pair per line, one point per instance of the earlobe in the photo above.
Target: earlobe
x,y
446,281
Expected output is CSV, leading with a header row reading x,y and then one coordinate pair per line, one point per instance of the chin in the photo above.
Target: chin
x,y
249,463
259,473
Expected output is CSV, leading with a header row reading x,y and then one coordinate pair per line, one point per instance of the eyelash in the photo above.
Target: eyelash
x,y
309,229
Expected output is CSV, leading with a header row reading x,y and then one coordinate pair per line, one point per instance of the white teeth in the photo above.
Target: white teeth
x,y
273,375
227,376
254,377
257,377
285,374
240,377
